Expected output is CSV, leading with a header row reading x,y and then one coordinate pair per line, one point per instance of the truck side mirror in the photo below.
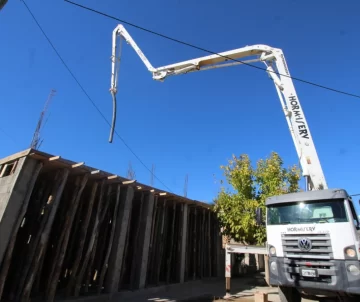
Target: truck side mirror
x,y
259,215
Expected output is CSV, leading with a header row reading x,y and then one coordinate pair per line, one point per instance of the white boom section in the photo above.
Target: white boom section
x,y
277,69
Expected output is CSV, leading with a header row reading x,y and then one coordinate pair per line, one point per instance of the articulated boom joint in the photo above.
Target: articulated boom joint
x,y
268,57
160,75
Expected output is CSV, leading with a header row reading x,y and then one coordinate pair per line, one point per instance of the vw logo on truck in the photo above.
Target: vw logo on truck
x,y
304,244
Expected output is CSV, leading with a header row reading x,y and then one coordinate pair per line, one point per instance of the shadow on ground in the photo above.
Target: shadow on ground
x,y
201,290
206,290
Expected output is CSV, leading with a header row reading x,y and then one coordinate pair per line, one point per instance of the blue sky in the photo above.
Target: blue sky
x,y
189,124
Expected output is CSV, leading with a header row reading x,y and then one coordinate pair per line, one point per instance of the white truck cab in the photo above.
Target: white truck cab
x,y
313,245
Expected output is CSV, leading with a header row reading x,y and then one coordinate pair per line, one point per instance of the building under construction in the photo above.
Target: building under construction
x,y
70,230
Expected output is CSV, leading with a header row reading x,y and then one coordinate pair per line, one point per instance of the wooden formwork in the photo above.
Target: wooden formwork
x,y
202,249
82,231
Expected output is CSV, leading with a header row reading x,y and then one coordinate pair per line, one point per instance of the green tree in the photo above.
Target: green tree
x,y
247,189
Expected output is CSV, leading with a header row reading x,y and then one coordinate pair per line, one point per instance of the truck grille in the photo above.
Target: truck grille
x,y
321,246
318,257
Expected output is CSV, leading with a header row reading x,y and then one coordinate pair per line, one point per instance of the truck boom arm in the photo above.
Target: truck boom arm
x,y
277,69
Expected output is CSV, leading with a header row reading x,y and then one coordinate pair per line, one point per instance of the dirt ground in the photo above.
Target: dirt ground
x,y
242,290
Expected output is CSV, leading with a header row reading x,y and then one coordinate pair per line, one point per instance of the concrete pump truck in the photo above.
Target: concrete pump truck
x,y
313,236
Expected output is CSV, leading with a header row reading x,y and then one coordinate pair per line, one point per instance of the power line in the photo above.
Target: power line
x,y
88,96
209,51
355,194
8,135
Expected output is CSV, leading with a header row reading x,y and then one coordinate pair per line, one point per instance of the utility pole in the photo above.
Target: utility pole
x,y
186,185
36,142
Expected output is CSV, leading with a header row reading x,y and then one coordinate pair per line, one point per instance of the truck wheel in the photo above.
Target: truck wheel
x,y
289,294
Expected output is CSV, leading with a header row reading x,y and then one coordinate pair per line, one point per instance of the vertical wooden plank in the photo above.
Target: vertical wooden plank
x,y
113,279
59,258
74,237
195,243
100,249
100,240
9,251
169,264
45,207
152,242
201,244
125,251
156,242
135,257
40,250
183,250
38,279
189,251
54,260
90,267
82,237
93,239
158,267
33,215
113,225
156,245
144,241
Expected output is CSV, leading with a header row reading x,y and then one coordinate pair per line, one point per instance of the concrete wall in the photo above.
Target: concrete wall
x,y
13,189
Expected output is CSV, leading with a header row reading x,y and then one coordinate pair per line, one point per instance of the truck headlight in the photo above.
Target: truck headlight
x,y
353,270
350,252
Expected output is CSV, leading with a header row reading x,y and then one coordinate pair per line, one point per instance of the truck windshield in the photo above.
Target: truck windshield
x,y
331,211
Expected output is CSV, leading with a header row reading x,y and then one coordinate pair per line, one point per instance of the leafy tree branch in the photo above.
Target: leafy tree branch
x,y
248,189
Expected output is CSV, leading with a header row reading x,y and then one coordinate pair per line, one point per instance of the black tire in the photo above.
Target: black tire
x,y
289,294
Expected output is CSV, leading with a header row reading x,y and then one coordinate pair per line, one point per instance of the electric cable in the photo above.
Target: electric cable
x,y
8,136
209,51
172,39
89,98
